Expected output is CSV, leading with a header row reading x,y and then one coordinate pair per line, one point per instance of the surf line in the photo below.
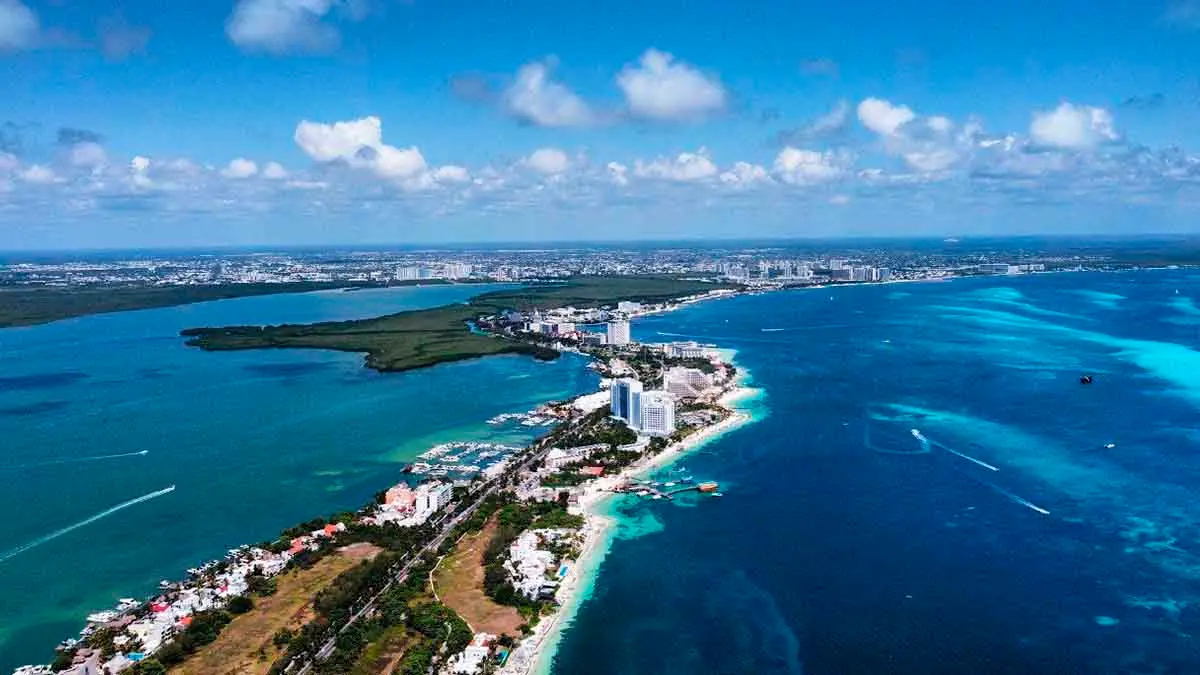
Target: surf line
x,y
74,460
917,434
83,523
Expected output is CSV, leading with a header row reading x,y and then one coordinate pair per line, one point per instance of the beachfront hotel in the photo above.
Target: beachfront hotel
x,y
658,413
626,401
618,333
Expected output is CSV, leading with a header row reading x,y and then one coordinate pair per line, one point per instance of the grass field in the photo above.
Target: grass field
x,y
458,581
383,655
416,339
245,645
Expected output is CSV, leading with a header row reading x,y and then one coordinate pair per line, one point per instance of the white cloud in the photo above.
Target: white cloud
x,y
274,171
19,28
662,89
240,168
358,143
451,174
618,173
534,98
88,155
744,174
139,164
38,174
839,200
1073,127
548,161
282,26
797,166
688,166
8,162
882,117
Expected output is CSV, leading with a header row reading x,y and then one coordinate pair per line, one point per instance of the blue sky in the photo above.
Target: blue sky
x,y
143,123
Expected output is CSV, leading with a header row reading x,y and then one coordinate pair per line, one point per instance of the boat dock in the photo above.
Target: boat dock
x,y
668,490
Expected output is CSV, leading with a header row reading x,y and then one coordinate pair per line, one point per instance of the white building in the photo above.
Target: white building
x,y
456,271
686,382
685,350
618,332
658,413
410,273
560,457
629,307
625,397
431,497
595,339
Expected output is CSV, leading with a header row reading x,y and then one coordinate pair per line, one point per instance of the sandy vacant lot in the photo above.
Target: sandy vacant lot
x,y
245,646
459,584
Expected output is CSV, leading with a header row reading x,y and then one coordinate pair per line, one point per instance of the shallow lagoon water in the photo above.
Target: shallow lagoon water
x,y
841,547
253,441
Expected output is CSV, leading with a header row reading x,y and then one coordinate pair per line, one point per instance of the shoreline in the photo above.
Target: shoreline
x,y
601,530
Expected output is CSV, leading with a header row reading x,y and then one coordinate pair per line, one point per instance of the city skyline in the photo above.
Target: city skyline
x,y
347,122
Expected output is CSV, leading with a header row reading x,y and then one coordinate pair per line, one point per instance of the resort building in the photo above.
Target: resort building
x,y
626,401
658,413
618,333
686,350
432,497
686,382
595,339
560,457
629,307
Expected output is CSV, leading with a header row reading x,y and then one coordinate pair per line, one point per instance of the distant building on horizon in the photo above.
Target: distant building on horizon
x,y
625,397
618,332
629,307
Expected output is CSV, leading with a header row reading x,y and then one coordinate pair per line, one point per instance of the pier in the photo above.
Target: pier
x,y
666,491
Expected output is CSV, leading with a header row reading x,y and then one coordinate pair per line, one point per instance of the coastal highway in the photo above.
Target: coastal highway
x,y
447,525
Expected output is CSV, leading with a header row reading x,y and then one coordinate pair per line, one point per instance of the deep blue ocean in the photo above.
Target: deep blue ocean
x,y
253,441
1030,524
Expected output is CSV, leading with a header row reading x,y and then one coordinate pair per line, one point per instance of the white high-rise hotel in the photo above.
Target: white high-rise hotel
x,y
650,412
658,413
618,332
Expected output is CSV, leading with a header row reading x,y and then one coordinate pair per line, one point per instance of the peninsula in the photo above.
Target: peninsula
x,y
467,566
421,338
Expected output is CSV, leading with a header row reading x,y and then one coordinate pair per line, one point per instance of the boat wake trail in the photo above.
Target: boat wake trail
x,y
923,450
76,460
1019,500
83,523
952,451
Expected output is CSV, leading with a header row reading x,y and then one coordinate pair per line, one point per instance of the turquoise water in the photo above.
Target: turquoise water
x,y
253,441
1031,524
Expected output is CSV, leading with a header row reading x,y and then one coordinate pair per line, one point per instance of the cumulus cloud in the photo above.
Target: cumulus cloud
x,y
536,99
882,117
659,88
240,168
686,167
451,174
548,161
88,155
618,173
744,174
19,26
39,174
1073,127
283,26
274,171
797,166
359,144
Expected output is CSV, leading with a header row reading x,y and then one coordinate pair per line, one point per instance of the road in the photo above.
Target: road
x,y
410,559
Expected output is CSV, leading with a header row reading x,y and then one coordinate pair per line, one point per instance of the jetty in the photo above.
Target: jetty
x,y
665,491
